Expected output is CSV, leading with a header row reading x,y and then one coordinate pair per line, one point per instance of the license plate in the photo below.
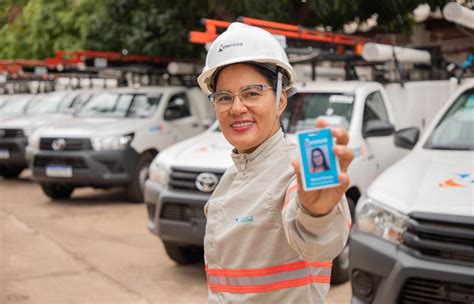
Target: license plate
x,y
59,171
4,154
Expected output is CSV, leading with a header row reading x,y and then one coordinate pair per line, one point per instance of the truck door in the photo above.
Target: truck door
x,y
179,119
379,149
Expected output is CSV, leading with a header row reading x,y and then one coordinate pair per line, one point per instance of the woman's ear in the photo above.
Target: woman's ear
x,y
282,104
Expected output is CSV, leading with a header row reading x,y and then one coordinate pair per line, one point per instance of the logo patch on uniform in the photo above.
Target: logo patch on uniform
x,y
244,219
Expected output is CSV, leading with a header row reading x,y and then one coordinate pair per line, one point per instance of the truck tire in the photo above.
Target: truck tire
x,y
10,172
184,255
135,190
340,265
57,191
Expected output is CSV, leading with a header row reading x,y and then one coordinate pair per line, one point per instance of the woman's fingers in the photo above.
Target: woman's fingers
x,y
345,156
341,135
321,123
345,181
296,166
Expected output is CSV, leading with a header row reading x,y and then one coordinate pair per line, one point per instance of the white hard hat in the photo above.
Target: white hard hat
x,y
244,43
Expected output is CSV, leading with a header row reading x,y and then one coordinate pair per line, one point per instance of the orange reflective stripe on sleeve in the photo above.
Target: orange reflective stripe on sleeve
x,y
348,222
270,278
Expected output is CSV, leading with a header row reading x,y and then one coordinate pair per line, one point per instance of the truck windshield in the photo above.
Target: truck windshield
x,y
120,105
455,131
16,104
304,108
52,103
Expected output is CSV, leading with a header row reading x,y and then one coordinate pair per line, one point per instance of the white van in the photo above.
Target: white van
x,y
112,140
183,177
413,241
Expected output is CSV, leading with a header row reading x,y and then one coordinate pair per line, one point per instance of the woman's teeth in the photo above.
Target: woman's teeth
x,y
242,124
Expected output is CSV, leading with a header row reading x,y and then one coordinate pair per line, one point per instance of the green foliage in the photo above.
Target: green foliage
x,y
36,28
45,26
146,27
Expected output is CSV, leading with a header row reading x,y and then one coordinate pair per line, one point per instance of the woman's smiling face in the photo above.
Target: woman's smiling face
x,y
248,127
318,158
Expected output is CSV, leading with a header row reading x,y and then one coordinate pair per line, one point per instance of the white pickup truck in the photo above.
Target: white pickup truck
x,y
42,110
15,105
413,241
183,177
112,140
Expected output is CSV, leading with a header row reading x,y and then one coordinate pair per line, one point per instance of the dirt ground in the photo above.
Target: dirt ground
x,y
93,248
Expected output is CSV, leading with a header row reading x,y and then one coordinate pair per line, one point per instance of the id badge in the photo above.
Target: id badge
x,y
318,163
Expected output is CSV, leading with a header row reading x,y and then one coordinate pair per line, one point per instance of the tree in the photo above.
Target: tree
x,y
45,26
36,28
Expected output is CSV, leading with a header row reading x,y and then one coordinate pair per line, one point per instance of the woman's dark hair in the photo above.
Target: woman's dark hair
x,y
270,73
325,164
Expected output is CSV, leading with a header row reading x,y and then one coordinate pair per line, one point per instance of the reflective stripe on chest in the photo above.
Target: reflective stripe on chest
x,y
268,279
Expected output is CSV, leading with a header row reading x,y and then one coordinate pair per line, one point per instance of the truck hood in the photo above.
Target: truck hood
x,y
93,126
34,121
432,181
209,150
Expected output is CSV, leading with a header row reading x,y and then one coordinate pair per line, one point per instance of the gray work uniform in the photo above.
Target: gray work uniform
x,y
261,246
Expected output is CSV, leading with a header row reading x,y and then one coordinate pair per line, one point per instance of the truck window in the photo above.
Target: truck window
x,y
374,108
79,101
178,107
16,104
455,131
304,108
143,106
51,103
107,105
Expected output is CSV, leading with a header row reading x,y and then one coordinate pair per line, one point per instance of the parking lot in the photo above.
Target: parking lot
x,y
93,248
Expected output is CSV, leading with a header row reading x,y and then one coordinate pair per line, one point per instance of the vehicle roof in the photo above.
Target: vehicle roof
x,y
347,87
147,89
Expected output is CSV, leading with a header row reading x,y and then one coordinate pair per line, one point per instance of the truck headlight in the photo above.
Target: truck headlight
x,y
374,218
111,142
160,172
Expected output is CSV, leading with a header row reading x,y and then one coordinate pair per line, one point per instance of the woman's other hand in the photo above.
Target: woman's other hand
x,y
321,202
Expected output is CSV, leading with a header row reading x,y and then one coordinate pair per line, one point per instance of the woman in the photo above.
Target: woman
x,y
267,240
318,161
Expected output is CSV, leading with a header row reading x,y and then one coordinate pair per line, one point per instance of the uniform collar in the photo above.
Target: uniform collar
x,y
242,160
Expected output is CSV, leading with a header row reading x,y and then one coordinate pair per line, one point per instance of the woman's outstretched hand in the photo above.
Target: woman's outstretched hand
x,y
321,202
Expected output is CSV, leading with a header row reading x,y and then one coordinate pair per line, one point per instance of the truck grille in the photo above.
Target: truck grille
x,y
72,144
181,212
11,133
450,239
75,163
181,179
10,147
424,291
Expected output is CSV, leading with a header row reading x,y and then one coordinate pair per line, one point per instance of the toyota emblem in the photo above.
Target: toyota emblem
x,y
58,144
206,182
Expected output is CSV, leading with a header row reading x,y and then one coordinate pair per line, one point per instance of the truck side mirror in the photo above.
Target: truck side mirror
x,y
172,114
375,128
406,138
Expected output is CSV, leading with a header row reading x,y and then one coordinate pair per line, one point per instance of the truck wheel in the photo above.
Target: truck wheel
x,y
10,172
136,188
184,255
340,265
57,191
